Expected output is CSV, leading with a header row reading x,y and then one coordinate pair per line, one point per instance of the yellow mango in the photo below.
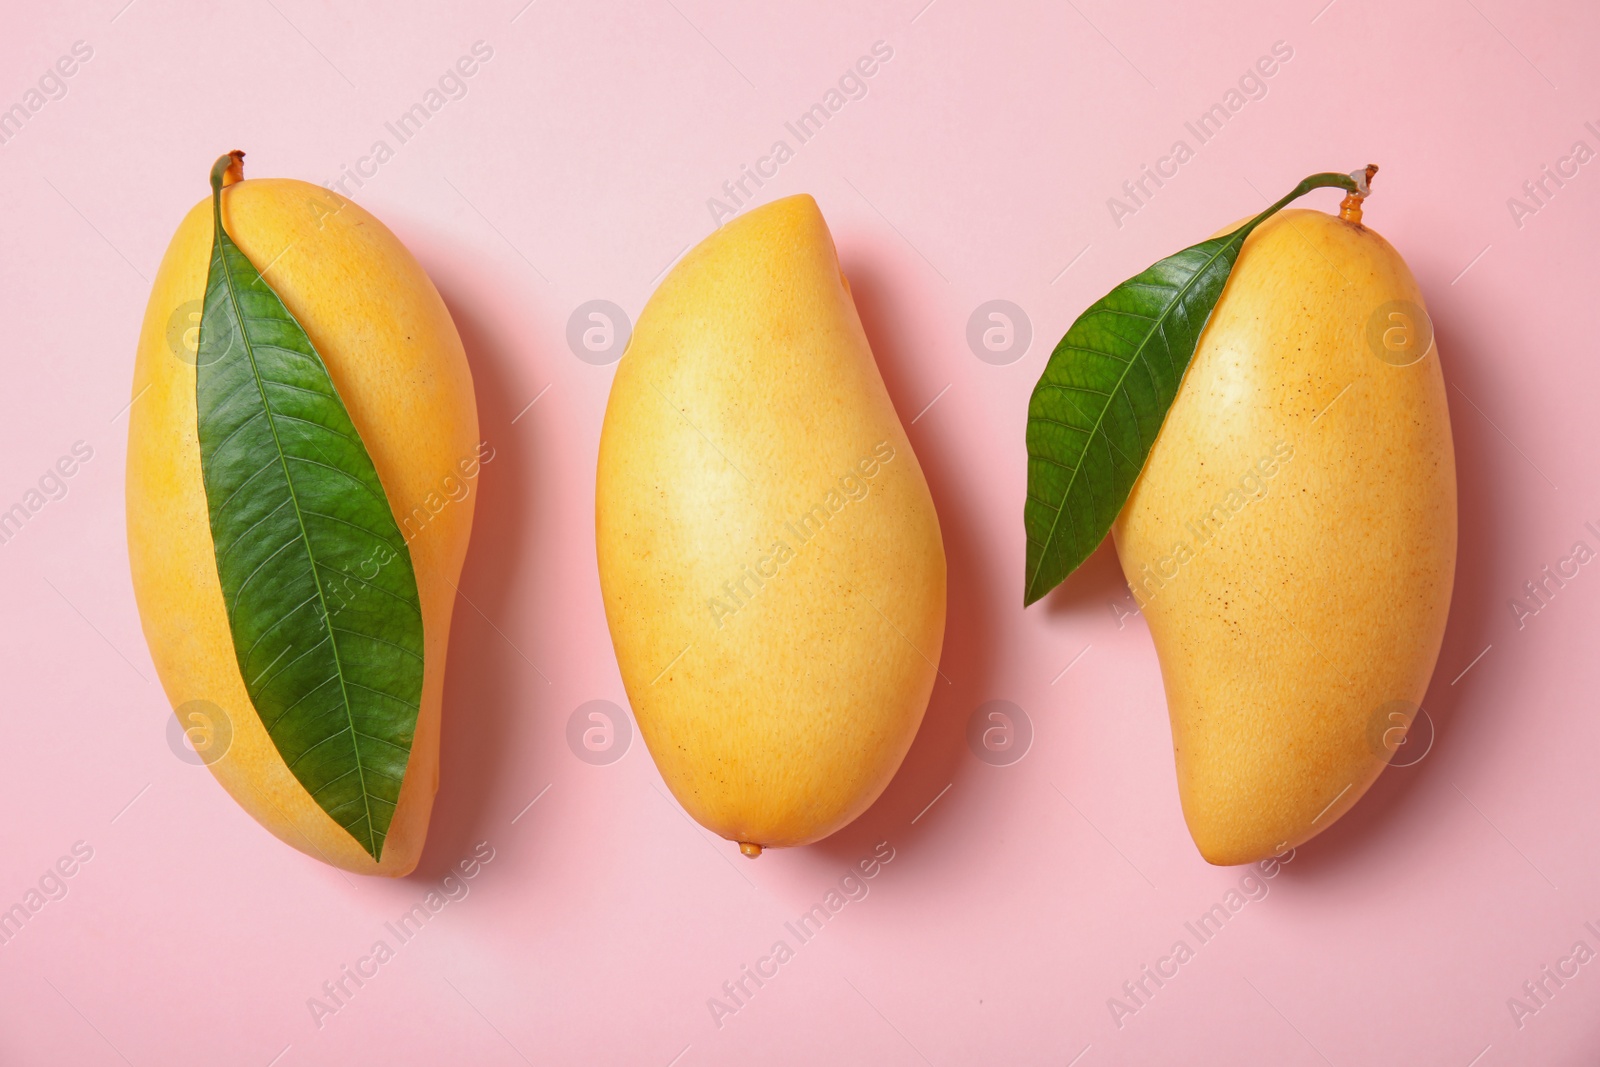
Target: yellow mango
x,y
1292,537
770,558
393,353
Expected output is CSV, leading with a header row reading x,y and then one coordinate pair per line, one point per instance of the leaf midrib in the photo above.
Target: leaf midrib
x,y
1155,323
244,337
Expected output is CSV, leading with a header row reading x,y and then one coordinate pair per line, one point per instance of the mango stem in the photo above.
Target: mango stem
x,y
750,849
227,170
1350,206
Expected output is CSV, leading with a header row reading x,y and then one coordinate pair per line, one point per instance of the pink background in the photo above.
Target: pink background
x,y
577,167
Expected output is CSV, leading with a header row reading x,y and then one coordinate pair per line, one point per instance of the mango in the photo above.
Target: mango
x,y
1292,537
769,553
394,356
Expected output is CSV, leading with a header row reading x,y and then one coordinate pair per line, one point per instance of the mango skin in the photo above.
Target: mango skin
x,y
394,355
748,390
1285,635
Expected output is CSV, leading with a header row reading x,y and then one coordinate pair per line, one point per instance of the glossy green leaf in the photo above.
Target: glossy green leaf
x,y
1106,389
317,579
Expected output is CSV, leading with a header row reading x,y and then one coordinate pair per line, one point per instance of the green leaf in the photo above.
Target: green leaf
x,y
1106,389
317,579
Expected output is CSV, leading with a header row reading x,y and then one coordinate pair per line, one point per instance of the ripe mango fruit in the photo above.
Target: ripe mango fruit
x,y
770,557
1292,537
392,351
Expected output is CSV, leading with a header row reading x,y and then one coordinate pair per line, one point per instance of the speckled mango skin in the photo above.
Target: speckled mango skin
x,y
1312,606
747,392
395,357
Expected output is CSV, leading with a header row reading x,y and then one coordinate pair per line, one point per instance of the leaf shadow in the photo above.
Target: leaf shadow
x,y
1377,823
937,758
1092,588
483,667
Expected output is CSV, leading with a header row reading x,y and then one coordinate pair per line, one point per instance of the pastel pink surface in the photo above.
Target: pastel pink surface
x,y
577,166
